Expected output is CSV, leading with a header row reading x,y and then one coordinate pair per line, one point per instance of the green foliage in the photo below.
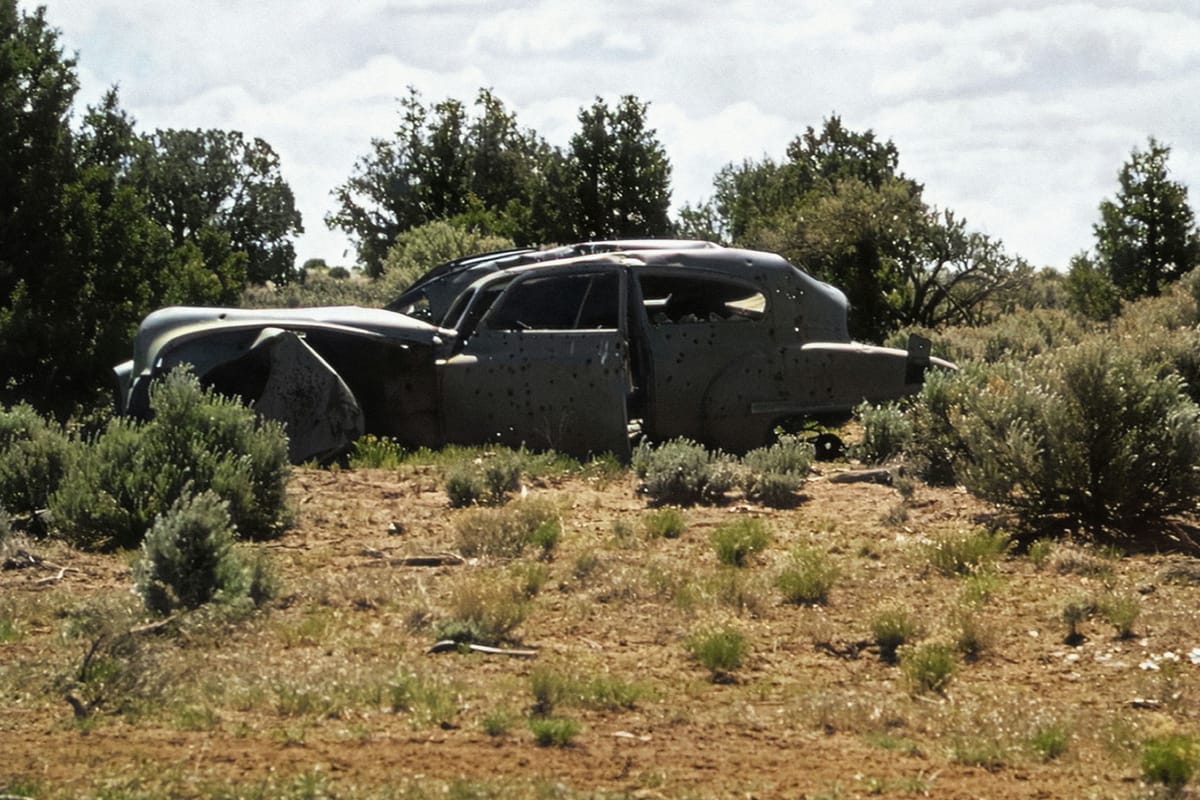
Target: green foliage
x,y
1050,741
667,522
928,667
196,441
1171,760
620,174
1121,611
1090,291
1089,433
887,432
891,628
807,577
35,454
773,474
840,207
464,487
1147,235
683,472
554,731
485,610
720,650
187,558
489,479
94,231
736,541
374,452
967,552
506,532
422,247
427,701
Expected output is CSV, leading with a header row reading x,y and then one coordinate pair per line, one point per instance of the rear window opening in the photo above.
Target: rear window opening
x,y
683,299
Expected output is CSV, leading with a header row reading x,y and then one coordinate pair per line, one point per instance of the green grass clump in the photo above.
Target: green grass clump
x,y
485,609
427,701
928,667
719,650
887,432
1050,741
376,452
507,532
892,628
554,731
967,552
772,474
683,472
667,522
736,541
1171,760
807,577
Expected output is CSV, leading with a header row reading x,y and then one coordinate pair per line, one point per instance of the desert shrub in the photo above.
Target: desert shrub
x,y
937,446
35,454
891,628
198,441
484,610
506,532
5,525
928,667
187,557
1121,611
807,577
375,452
1171,760
966,552
736,541
664,523
554,731
464,487
887,432
683,472
773,474
1050,740
719,650
489,479
422,247
1018,336
1090,434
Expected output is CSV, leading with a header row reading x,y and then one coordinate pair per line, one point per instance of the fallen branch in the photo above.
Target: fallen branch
x,y
431,560
883,476
447,645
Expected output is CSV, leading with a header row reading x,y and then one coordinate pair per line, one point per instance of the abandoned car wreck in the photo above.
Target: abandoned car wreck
x,y
571,349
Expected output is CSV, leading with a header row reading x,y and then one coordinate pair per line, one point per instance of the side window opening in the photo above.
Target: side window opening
x,y
683,299
560,302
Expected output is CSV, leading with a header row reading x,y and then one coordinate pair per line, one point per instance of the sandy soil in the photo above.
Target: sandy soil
x,y
300,698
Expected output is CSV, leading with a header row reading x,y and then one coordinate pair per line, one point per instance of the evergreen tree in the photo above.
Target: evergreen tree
x,y
1147,234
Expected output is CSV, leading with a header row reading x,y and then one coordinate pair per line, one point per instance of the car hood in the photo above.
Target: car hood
x,y
178,323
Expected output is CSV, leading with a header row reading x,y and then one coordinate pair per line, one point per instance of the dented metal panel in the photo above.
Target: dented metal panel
x,y
568,348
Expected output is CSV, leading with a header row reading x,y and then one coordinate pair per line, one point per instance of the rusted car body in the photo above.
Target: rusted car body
x,y
578,349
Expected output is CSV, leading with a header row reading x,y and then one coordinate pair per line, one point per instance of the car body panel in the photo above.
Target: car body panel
x,y
569,348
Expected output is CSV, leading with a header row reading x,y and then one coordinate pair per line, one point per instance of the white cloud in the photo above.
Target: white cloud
x,y
1015,113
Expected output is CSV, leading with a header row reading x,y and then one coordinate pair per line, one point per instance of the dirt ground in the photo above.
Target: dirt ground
x,y
330,690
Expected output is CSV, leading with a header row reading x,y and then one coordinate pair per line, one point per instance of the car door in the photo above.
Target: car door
x,y
546,366
711,357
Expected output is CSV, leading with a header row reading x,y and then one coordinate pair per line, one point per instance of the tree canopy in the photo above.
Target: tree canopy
x,y
99,225
1147,234
840,207
486,173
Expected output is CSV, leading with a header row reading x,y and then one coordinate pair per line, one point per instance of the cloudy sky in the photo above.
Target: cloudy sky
x,y
1017,115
